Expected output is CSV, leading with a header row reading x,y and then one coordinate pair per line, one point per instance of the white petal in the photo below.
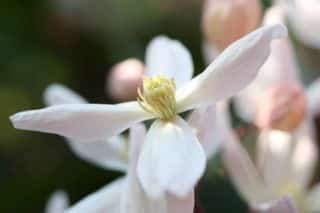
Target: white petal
x,y
304,161
274,157
209,52
232,71
81,121
171,160
313,199
244,174
285,205
211,125
106,199
313,95
57,203
280,66
109,154
169,58
57,94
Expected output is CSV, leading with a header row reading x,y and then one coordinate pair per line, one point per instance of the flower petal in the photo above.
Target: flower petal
x,y
169,58
104,200
304,160
313,199
232,71
81,121
313,95
172,159
244,174
57,203
211,126
284,205
178,205
109,154
274,157
57,94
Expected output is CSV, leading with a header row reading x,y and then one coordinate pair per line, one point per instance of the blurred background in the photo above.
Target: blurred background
x,y
76,42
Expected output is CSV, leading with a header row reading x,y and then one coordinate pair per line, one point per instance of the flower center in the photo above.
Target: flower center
x,y
158,97
297,194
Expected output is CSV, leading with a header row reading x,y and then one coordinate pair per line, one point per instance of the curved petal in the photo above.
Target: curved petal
x,y
57,203
169,58
274,157
172,159
81,121
106,199
232,71
304,160
211,125
313,199
244,174
280,66
109,154
57,94
313,96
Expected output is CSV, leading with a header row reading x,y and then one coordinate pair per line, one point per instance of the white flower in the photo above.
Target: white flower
x,y
57,203
125,194
171,148
284,205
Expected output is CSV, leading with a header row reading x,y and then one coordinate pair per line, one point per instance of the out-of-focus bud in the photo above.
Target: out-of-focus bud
x,y
283,107
225,21
124,80
304,17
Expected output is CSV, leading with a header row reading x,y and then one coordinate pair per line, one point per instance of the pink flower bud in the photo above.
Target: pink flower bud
x,y
225,21
283,107
124,80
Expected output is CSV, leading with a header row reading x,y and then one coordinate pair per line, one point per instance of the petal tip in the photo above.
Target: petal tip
x,y
279,31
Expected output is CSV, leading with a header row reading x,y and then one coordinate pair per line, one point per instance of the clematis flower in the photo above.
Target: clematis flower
x,y
284,167
57,203
113,154
166,93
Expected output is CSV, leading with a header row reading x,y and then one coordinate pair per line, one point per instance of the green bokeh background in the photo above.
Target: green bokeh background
x,y
38,47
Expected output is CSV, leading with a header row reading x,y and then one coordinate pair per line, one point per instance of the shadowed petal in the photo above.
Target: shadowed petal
x,y
57,203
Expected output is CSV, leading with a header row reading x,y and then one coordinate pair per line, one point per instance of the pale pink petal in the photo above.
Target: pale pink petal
x,y
57,94
170,58
274,157
211,125
180,205
172,159
304,160
280,66
81,121
57,203
104,200
232,71
244,174
313,199
109,154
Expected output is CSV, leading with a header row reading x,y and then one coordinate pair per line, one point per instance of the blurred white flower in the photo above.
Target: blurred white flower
x,y
284,167
284,205
57,203
304,17
170,140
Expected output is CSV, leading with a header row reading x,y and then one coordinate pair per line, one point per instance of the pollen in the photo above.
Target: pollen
x,y
158,97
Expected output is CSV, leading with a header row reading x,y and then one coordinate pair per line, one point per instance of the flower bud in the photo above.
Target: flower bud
x,y
225,21
124,80
283,107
